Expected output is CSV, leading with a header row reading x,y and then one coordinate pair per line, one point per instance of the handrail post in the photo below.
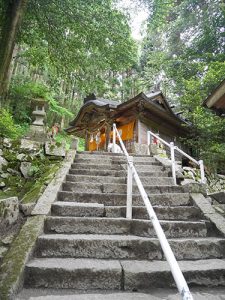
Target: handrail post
x,y
202,171
148,141
173,162
129,188
114,138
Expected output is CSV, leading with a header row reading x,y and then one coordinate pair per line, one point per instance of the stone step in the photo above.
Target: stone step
x,y
78,166
162,212
121,180
95,179
166,199
107,156
112,188
77,209
92,274
80,274
117,167
126,247
114,173
144,275
77,225
198,293
103,153
113,159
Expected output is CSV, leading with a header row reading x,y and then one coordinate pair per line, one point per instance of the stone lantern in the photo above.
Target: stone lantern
x,y
37,128
39,112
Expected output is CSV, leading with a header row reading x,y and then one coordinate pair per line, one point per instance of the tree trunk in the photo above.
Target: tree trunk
x,y
11,23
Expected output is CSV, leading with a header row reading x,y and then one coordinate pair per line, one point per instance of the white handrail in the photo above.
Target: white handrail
x,y
175,269
173,162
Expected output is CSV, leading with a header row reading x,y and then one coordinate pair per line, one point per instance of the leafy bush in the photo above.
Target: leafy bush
x,y
8,128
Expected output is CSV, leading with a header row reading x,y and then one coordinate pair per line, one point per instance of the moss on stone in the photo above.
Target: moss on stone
x,y
13,265
34,193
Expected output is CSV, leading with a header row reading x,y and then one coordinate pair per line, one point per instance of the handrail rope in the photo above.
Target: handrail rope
x,y
175,269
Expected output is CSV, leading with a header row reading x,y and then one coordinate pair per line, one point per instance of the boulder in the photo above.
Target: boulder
x,y
25,168
20,156
4,175
218,196
54,150
187,181
7,142
13,172
27,208
3,162
2,184
1,152
30,145
9,210
3,250
8,240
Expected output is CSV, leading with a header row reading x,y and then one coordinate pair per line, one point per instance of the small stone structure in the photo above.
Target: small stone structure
x,y
37,129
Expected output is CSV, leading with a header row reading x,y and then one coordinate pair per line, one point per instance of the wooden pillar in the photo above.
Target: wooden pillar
x,y
86,141
107,136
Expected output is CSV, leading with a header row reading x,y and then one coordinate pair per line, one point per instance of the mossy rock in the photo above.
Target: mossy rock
x,y
13,265
37,189
10,156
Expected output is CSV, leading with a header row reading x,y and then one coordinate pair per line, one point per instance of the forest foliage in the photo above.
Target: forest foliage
x,y
184,54
64,50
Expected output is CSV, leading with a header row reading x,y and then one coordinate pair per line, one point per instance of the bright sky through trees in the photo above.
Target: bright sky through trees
x,y
138,16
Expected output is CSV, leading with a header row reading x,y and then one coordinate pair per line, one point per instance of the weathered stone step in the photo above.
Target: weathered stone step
x,y
77,209
95,179
117,167
103,153
198,293
114,159
79,274
145,275
162,212
92,274
121,180
166,199
114,173
78,166
126,247
118,188
77,225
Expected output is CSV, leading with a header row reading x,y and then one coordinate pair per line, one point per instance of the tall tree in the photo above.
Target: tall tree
x,y
185,49
11,16
79,37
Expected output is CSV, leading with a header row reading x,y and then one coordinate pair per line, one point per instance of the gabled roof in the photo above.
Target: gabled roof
x,y
95,111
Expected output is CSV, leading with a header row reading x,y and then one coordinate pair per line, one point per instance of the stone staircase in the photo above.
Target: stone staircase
x,y
89,245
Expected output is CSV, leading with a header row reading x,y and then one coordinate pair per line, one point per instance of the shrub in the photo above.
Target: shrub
x,y
8,128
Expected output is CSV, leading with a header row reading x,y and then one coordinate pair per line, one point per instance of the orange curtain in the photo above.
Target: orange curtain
x,y
93,146
126,131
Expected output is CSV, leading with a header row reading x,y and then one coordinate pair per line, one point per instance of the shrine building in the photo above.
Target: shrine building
x,y
133,119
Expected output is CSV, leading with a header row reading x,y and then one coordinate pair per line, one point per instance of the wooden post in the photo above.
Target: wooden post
x,y
107,136
86,141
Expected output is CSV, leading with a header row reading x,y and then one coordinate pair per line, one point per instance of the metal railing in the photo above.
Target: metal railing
x,y
175,269
172,154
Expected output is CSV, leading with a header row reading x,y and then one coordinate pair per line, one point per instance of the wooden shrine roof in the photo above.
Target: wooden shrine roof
x,y
97,112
